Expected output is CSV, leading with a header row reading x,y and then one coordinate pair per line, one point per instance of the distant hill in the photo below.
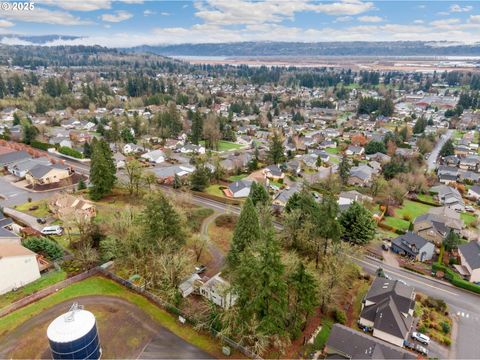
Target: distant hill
x,y
358,48
36,39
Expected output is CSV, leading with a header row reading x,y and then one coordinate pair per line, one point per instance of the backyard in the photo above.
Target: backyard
x,y
226,145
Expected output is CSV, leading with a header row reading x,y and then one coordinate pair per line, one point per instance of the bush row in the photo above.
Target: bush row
x,y
456,279
65,150
41,145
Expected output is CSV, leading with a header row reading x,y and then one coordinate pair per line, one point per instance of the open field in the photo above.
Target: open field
x,y
32,320
411,210
226,145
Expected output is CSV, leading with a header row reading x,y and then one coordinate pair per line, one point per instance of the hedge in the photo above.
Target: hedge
x,y
391,228
65,150
455,278
45,246
40,145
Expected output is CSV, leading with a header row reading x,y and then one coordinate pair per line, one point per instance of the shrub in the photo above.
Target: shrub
x,y
81,185
407,217
447,341
65,150
445,327
455,279
40,145
44,246
340,316
226,220
422,329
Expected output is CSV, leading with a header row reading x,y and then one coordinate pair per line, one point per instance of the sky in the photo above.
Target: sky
x,y
135,22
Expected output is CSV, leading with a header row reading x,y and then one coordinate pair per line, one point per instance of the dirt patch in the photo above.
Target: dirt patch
x,y
124,330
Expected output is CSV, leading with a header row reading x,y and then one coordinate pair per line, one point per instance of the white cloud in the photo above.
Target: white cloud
x,y
418,21
184,6
118,16
370,19
5,23
82,5
45,16
458,9
165,13
446,22
342,19
443,13
242,12
148,12
474,19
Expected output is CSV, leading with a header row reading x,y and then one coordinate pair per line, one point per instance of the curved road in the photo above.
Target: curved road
x,y
432,159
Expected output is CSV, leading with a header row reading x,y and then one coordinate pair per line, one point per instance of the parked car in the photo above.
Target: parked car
x,y
469,209
200,269
41,220
409,345
385,247
424,339
52,230
421,349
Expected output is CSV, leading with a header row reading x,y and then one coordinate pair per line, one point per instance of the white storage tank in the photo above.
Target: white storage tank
x,y
74,335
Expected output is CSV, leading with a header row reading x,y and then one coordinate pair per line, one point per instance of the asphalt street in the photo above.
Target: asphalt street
x,y
432,159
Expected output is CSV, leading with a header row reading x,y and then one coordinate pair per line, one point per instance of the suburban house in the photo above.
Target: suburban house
x,y
474,192
354,151
360,175
449,197
155,156
217,290
347,343
388,310
349,197
119,159
18,267
131,148
51,174
20,168
281,198
167,174
11,157
470,261
413,246
239,189
273,172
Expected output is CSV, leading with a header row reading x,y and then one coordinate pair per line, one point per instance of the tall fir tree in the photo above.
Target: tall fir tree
x,y
276,152
247,232
344,170
197,127
258,194
358,224
102,169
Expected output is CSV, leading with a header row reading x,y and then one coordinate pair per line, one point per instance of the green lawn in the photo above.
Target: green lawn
x,y
225,145
46,280
42,210
237,177
397,223
332,150
102,286
412,209
214,190
427,198
323,335
457,135
468,218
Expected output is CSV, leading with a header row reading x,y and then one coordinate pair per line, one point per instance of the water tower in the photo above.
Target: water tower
x,y
74,335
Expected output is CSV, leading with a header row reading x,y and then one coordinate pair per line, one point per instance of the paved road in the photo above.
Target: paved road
x,y
12,195
432,159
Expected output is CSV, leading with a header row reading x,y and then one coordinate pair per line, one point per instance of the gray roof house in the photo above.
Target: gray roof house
x,y
413,246
347,343
474,192
240,188
470,260
449,197
20,168
388,310
11,157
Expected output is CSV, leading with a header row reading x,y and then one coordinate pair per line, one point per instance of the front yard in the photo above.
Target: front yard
x,y
434,320
215,189
39,208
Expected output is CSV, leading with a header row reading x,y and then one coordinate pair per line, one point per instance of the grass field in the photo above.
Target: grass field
x,y
397,223
333,151
411,209
237,177
102,286
214,190
42,210
468,218
225,145
427,198
46,280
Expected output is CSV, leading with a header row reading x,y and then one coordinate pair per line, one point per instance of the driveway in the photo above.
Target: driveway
x,y
12,195
432,159
23,218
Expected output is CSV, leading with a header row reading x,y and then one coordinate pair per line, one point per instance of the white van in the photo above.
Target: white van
x,y
52,230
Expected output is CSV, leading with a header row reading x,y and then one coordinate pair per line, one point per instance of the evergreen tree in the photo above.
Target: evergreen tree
x,y
258,194
87,150
16,119
200,178
162,227
247,232
197,127
328,228
375,146
30,132
358,224
303,297
276,152
344,170
447,149
451,241
177,182
102,170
